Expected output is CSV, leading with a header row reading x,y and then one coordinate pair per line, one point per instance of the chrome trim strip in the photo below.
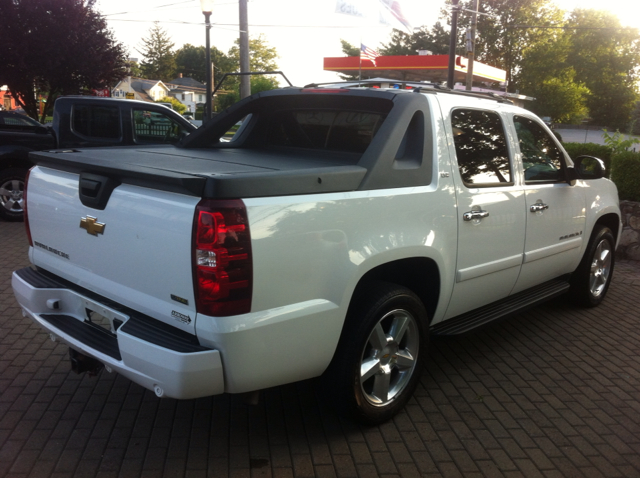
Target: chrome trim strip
x,y
488,268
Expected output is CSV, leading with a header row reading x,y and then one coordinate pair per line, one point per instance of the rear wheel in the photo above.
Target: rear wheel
x,y
381,354
12,194
590,281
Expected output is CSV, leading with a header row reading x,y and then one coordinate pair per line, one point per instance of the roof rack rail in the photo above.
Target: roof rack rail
x,y
357,83
418,87
475,94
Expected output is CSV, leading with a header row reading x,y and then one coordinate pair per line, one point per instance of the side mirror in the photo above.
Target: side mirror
x,y
572,175
589,167
41,130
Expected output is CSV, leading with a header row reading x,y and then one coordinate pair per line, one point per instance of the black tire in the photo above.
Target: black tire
x,y
11,194
590,281
387,328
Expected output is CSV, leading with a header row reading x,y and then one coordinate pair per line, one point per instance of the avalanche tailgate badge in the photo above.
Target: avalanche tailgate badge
x,y
92,226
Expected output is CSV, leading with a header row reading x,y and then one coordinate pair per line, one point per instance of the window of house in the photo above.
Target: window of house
x,y
481,148
182,96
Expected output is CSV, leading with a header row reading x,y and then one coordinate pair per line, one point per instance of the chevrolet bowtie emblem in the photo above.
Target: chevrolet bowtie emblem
x,y
92,225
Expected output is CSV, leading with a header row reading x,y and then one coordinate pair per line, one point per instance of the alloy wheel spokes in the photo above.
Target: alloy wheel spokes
x,y
600,268
389,357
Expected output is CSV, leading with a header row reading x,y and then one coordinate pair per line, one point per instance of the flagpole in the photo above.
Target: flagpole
x,y
360,70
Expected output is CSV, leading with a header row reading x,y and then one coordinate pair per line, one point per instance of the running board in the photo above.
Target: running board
x,y
502,308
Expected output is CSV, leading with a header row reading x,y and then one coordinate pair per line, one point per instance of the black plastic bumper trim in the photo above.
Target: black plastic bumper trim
x,y
139,325
89,335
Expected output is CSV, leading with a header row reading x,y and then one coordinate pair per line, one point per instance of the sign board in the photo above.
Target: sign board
x,y
103,92
130,96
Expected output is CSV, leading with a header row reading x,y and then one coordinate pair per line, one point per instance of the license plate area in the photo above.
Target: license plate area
x,y
102,317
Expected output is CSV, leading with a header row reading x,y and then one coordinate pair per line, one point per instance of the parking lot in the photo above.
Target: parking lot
x,y
553,392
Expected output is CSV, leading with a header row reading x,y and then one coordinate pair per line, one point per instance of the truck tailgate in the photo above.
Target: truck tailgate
x,y
136,251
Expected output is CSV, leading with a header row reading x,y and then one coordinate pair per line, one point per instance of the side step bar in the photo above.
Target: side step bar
x,y
503,308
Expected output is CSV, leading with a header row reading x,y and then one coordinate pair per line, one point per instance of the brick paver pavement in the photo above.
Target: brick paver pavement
x,y
554,392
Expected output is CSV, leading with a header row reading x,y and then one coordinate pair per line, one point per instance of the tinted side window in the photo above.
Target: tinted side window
x,y
154,127
541,157
481,148
97,121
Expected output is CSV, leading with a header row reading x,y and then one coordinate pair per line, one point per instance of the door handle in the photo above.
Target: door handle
x,y
471,215
539,206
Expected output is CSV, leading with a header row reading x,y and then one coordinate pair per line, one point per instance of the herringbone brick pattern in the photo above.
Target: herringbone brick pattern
x,y
554,392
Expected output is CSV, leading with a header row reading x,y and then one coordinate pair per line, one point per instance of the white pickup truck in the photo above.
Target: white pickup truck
x,y
328,237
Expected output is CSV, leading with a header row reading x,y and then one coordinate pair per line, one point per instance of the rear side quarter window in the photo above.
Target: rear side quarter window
x,y
97,121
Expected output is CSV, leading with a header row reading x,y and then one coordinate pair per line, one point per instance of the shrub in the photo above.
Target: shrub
x,y
590,149
617,142
557,135
177,106
625,172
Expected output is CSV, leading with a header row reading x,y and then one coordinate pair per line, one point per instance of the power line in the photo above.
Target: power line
x,y
162,6
574,28
220,25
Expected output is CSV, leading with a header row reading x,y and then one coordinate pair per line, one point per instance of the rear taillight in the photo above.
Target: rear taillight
x,y
223,268
24,209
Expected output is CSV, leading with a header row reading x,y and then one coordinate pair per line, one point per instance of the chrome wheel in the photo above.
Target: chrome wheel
x,y
591,279
600,268
11,196
389,357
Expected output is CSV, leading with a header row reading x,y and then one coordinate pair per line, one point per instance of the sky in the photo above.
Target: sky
x,y
302,31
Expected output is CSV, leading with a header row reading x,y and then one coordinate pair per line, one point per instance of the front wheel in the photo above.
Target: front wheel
x,y
380,356
590,281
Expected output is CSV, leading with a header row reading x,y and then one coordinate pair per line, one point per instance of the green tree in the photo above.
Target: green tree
x,y
133,69
504,33
159,59
434,39
561,98
634,125
546,76
262,57
40,52
191,62
348,49
605,57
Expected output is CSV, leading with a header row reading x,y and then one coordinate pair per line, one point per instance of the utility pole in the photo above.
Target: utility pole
x,y
452,43
207,8
471,46
245,80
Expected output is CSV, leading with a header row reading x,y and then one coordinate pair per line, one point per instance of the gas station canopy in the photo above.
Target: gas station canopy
x,y
432,68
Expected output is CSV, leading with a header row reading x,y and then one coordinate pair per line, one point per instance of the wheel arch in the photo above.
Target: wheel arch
x,y
610,220
421,275
16,158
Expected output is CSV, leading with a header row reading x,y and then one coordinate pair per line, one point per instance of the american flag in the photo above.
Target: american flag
x,y
367,53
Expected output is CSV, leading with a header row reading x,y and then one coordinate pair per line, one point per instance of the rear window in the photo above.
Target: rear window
x,y
319,129
97,121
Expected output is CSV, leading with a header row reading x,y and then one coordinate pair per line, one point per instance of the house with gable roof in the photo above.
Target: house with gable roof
x,y
187,91
142,89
